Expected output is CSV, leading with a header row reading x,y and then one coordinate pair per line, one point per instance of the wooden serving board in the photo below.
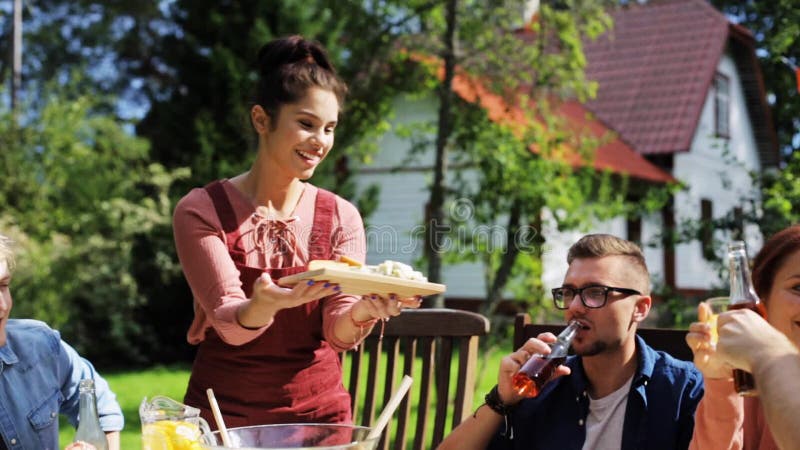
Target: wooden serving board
x,y
363,283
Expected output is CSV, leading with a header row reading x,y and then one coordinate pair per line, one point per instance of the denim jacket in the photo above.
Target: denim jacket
x,y
39,376
659,415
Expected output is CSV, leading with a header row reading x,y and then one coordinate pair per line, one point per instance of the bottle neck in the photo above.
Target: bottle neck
x,y
561,346
88,406
741,281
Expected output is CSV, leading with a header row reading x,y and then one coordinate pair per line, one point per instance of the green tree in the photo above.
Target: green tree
x,y
199,112
507,185
776,28
199,119
78,192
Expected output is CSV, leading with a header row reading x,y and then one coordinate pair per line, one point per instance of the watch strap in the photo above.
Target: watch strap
x,y
495,403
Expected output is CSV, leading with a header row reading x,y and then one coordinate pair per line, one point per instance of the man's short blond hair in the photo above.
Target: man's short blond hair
x,y
7,251
600,245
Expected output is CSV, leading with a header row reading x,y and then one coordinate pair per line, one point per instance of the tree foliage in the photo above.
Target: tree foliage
x,y
78,192
776,28
90,204
488,166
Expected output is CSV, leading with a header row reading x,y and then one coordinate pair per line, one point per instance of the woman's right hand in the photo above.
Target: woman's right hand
x,y
705,352
268,298
269,294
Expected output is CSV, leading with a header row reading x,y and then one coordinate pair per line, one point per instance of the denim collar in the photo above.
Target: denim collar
x,y
7,354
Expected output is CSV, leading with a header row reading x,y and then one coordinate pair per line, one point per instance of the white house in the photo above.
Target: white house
x,y
681,87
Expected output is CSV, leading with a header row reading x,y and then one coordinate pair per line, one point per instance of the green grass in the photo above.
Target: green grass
x,y
132,387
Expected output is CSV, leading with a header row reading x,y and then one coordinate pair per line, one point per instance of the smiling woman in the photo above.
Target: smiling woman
x,y
236,237
767,348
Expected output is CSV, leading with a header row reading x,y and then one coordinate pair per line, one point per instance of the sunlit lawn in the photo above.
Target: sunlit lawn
x,y
132,387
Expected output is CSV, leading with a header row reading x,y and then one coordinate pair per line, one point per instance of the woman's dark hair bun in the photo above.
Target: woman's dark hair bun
x,y
288,67
291,50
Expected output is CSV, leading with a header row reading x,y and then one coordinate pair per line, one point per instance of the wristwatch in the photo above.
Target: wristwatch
x,y
494,402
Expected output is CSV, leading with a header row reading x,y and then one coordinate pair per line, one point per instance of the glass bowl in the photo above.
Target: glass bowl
x,y
307,436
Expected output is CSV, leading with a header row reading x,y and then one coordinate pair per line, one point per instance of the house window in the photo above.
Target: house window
x,y
722,101
707,228
635,230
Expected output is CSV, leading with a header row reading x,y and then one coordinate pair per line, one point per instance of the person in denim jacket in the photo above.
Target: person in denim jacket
x,y
616,392
39,376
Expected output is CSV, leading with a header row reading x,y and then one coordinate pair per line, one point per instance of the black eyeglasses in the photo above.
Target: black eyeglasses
x,y
591,296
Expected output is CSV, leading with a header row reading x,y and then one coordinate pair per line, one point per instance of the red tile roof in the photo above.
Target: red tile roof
x,y
615,155
654,70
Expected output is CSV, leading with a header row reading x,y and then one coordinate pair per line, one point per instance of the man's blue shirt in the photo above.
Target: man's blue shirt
x,y
39,376
659,415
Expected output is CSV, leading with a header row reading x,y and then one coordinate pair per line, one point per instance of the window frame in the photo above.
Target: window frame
x,y
722,106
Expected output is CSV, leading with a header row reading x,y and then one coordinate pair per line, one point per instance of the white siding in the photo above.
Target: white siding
x,y
652,226
707,175
405,193
393,230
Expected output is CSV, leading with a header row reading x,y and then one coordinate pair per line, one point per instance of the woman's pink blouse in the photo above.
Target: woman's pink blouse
x,y
725,420
213,276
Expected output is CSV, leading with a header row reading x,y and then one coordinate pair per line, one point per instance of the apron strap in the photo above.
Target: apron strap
x,y
222,205
319,246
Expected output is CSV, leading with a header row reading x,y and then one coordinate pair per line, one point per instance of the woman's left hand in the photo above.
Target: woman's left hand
x,y
378,307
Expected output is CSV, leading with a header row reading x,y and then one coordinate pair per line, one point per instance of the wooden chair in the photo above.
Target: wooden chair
x,y
434,339
671,341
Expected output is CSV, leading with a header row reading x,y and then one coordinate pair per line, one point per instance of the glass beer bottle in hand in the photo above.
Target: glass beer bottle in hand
x,y
537,371
743,295
89,430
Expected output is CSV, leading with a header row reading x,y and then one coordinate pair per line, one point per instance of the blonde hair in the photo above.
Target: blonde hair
x,y
7,251
600,245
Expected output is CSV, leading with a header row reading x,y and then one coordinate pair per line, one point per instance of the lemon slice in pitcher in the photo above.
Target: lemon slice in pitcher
x,y
171,435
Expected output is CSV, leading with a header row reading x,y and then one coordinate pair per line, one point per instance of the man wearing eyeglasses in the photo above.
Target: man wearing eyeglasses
x,y
616,392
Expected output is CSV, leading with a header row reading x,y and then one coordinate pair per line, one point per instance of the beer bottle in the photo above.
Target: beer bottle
x,y
89,430
536,371
743,295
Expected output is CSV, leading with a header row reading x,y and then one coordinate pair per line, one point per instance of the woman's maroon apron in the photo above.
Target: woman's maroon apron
x,y
289,374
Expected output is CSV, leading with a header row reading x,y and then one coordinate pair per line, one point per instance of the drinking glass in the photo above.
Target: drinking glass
x,y
716,305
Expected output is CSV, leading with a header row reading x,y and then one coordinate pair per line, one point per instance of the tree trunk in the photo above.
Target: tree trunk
x,y
503,272
436,228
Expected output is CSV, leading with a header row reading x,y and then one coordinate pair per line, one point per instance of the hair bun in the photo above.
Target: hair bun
x,y
291,50
287,67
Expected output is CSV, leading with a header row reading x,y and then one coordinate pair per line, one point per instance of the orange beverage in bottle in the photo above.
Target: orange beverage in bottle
x,y
536,371
743,296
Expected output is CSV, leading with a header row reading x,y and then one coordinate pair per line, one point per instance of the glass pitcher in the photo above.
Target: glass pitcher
x,y
171,425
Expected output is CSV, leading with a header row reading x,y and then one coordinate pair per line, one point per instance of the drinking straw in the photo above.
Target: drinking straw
x,y
223,431
383,419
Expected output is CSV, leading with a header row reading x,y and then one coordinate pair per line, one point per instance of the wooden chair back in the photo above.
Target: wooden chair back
x,y
424,344
672,341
